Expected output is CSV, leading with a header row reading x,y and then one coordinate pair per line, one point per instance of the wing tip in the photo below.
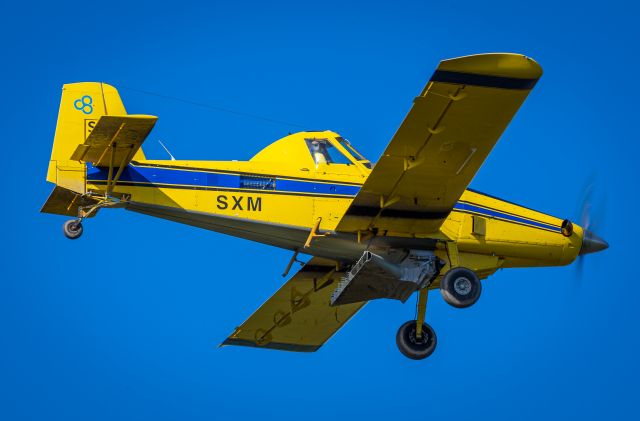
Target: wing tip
x,y
507,65
281,346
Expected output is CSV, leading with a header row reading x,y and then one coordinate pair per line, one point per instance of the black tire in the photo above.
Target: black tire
x,y
411,346
460,287
72,229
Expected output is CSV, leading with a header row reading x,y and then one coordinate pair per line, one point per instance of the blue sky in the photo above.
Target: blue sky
x,y
124,323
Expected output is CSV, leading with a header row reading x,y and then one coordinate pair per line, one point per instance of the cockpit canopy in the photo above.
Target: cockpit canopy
x,y
318,148
324,152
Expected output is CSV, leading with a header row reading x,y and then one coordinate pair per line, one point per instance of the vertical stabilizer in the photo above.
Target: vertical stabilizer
x,y
81,106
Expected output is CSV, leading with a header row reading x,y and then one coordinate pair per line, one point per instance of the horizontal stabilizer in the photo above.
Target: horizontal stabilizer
x,y
114,140
62,201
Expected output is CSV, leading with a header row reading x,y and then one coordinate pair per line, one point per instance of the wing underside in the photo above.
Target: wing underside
x,y
441,144
298,316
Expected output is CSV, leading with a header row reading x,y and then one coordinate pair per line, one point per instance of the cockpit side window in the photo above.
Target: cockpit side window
x,y
323,152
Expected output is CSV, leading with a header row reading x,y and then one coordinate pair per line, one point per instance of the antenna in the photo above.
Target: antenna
x,y
216,108
167,150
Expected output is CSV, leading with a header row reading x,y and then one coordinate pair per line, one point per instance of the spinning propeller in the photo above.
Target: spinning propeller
x,y
591,243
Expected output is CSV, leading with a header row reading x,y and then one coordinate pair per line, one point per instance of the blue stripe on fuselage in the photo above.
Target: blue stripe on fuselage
x,y
211,179
154,175
165,176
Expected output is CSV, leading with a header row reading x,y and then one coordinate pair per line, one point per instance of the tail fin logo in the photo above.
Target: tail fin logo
x,y
84,104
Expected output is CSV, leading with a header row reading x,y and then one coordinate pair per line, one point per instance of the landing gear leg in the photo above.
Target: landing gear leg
x,y
415,338
73,229
422,310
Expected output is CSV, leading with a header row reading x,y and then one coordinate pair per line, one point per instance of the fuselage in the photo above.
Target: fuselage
x,y
278,196
408,225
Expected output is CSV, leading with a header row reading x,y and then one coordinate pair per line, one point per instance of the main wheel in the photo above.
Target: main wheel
x,y
72,229
413,347
460,287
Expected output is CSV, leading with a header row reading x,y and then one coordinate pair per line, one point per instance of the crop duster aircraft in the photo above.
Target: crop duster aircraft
x,y
408,224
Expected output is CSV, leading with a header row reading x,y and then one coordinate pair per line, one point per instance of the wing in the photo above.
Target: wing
x,y
442,142
115,139
297,317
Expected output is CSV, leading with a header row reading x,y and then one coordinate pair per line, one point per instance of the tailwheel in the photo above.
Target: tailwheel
x,y
460,287
72,229
414,346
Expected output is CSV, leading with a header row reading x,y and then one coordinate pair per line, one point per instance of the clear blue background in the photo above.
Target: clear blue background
x,y
124,323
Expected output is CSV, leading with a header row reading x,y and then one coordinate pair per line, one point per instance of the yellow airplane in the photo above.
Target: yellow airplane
x,y
408,224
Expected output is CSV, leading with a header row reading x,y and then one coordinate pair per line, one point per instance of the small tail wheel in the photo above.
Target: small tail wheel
x,y
72,229
413,347
460,287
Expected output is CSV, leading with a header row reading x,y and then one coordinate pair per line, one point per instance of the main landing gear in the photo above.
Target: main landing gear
x,y
415,338
460,287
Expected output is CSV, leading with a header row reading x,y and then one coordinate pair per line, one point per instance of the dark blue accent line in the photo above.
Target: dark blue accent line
x,y
487,81
477,209
317,188
500,199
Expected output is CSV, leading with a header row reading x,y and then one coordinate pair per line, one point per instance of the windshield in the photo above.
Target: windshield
x,y
345,144
357,155
323,152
